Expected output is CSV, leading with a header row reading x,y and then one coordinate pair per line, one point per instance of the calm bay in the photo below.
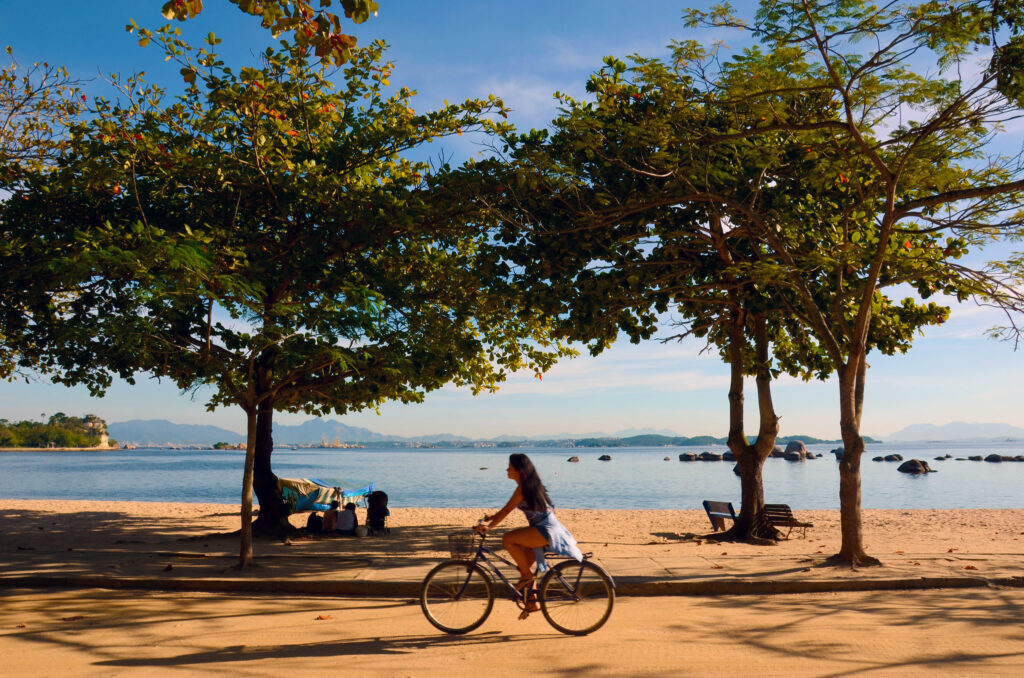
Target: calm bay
x,y
635,478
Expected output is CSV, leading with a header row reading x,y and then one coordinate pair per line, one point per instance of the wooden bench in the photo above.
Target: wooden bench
x,y
717,512
780,515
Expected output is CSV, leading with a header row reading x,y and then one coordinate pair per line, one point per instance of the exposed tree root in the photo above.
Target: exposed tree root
x,y
761,535
854,560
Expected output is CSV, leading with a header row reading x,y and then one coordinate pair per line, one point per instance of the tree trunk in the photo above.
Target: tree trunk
x,y
750,458
851,400
273,518
245,545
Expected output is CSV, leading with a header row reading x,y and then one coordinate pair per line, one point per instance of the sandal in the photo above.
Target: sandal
x,y
530,605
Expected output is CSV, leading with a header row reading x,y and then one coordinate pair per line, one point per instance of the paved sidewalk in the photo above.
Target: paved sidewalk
x,y
395,565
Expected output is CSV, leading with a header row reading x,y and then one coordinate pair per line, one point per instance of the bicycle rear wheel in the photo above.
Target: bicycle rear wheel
x,y
576,598
456,596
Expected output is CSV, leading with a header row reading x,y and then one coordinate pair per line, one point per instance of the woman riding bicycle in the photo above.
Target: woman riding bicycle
x,y
527,544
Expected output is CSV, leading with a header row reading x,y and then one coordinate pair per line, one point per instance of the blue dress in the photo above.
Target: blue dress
x,y
560,540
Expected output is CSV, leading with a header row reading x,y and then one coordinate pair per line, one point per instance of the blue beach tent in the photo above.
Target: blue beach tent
x,y
316,494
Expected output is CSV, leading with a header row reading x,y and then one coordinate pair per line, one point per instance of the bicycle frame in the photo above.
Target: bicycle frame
x,y
482,559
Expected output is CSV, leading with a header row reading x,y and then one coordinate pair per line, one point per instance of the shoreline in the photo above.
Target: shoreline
x,y
97,448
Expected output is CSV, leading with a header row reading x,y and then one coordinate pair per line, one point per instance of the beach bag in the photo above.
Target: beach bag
x,y
315,524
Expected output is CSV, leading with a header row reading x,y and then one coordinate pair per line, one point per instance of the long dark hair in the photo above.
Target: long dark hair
x,y
535,495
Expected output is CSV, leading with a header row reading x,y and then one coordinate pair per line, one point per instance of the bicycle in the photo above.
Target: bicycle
x,y
457,595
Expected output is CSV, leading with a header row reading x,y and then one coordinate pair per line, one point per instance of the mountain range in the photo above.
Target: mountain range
x,y
957,430
160,432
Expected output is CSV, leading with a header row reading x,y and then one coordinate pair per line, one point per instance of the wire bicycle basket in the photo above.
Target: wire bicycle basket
x,y
463,546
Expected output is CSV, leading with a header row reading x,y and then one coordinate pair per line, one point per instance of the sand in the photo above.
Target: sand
x,y
74,631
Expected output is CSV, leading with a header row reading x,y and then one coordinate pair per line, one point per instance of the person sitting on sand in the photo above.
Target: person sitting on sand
x,y
331,518
526,544
347,521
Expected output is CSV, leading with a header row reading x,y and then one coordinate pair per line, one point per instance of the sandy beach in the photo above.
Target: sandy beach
x,y
891,535
90,631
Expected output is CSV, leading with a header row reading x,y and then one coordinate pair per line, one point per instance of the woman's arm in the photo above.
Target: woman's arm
x,y
513,502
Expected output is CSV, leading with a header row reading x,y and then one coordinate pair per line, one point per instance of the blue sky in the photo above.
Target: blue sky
x,y
522,52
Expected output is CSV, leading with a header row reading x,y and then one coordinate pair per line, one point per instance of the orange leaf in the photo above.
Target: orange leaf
x,y
970,567
324,617
292,133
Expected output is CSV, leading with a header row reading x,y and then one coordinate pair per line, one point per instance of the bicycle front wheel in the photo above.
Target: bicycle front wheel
x,y
576,598
456,596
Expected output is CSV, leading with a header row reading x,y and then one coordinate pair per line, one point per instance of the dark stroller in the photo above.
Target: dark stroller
x,y
377,514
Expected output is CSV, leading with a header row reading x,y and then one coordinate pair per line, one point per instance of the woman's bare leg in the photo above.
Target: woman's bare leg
x,y
520,544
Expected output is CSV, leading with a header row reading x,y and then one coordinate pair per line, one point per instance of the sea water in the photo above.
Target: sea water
x,y
635,478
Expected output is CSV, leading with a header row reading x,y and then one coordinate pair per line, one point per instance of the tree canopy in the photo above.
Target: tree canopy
x,y
266,234
317,29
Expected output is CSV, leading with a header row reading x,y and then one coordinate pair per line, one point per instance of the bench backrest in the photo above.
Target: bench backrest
x,y
778,511
718,511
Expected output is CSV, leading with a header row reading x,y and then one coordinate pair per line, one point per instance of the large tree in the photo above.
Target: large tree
x,y
911,169
267,235
623,211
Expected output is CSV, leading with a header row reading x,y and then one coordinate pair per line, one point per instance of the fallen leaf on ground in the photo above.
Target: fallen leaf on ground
x,y
970,567
168,568
74,618
898,551
22,626
324,617
725,553
699,542
717,567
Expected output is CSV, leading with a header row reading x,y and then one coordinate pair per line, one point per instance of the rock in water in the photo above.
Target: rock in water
x,y
915,466
798,447
605,457
574,458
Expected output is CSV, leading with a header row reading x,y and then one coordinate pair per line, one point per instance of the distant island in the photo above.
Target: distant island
x,y
60,432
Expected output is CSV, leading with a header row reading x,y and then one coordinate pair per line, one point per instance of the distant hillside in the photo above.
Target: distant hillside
x,y
163,433
160,433
660,441
315,430
957,430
